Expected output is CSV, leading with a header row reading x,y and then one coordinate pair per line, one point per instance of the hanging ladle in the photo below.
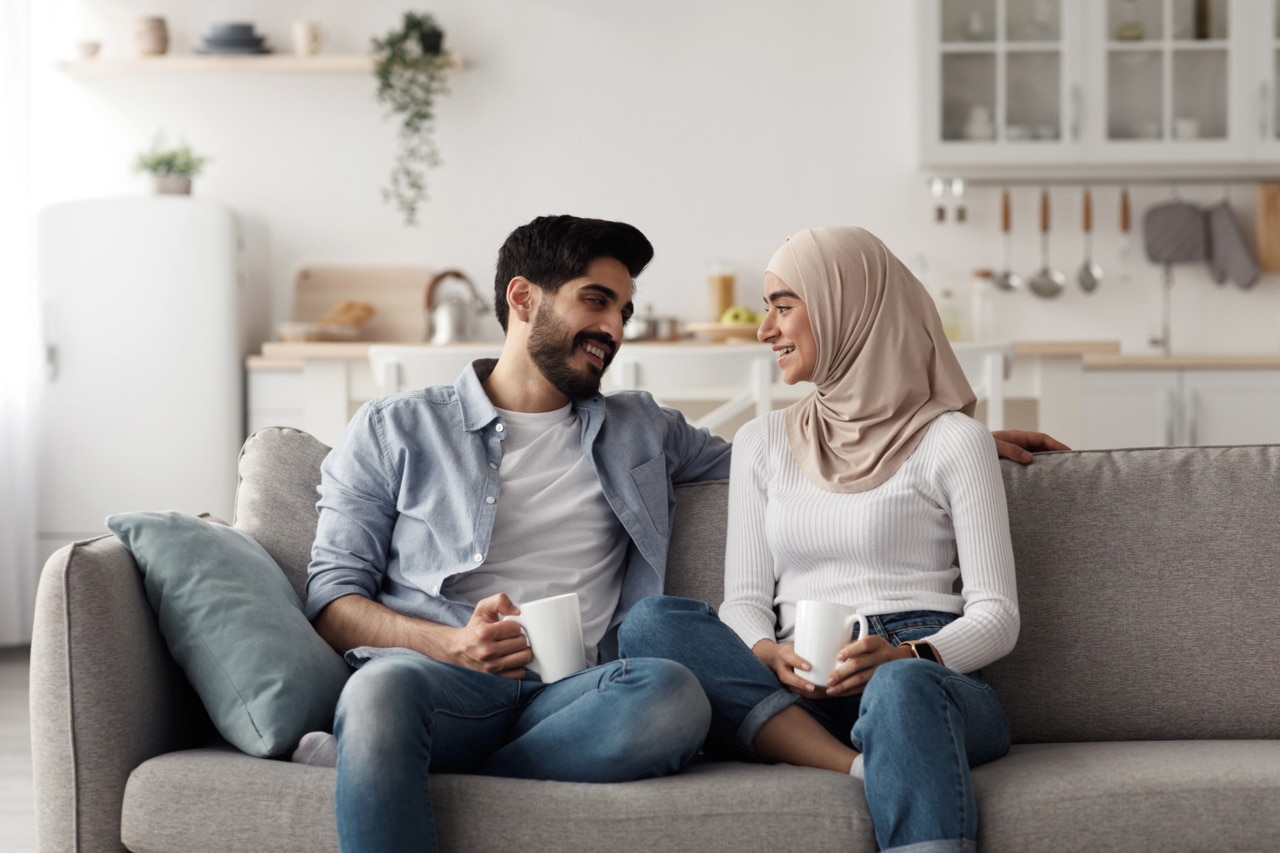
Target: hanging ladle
x,y
1048,282
1006,278
1090,275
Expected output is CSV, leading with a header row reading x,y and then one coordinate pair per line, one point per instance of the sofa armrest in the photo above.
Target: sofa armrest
x,y
105,694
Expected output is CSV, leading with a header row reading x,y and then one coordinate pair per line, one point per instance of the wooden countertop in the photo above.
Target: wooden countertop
x,y
1173,362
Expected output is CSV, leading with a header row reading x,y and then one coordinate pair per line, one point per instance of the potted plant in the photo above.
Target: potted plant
x,y
409,63
171,168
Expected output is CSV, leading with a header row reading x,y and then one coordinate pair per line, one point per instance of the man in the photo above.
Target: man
x,y
442,507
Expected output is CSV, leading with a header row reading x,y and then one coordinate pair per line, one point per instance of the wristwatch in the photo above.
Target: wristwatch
x,y
923,650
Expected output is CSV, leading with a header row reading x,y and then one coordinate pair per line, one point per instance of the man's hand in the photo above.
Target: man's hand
x,y
1018,445
489,643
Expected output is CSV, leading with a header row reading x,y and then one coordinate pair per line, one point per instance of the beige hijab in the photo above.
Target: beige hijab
x,y
884,368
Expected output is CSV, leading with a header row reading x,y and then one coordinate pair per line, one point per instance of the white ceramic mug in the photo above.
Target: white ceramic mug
x,y
307,38
553,627
822,629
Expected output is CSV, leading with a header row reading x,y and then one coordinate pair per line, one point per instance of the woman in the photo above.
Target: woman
x,y
876,490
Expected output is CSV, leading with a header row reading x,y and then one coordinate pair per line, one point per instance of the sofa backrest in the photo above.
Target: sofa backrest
x,y
1146,581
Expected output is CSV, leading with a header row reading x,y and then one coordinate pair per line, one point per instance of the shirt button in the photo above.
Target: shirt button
x,y
493,465
499,427
479,558
489,499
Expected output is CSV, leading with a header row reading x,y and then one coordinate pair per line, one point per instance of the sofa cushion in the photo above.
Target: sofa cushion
x,y
211,799
236,628
279,472
1146,583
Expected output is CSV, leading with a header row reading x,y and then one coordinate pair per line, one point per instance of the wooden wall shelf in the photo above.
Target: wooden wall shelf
x,y
196,64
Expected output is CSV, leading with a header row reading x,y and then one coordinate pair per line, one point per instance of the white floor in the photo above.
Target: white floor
x,y
17,803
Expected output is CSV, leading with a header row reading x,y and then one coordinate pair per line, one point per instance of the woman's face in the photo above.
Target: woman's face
x,y
786,329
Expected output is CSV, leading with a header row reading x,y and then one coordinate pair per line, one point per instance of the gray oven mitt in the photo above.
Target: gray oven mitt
x,y
1175,232
1229,253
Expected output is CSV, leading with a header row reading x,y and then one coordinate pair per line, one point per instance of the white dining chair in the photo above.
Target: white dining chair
x,y
739,376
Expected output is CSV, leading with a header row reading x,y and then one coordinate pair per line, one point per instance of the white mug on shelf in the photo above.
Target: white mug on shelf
x,y
307,38
822,629
553,627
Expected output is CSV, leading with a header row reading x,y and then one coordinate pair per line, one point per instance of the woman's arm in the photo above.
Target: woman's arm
x,y
749,581
968,476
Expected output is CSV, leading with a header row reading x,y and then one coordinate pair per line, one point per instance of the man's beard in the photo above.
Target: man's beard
x,y
552,347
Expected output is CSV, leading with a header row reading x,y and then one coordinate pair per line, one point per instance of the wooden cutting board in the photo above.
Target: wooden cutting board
x,y
397,294
1268,225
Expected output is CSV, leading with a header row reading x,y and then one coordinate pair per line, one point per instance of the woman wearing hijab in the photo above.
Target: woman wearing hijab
x,y
877,490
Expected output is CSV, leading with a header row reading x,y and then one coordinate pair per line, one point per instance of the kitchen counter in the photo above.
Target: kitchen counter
x,y
1175,362
322,383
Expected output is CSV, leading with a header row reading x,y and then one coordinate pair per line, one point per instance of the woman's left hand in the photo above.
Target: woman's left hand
x,y
859,660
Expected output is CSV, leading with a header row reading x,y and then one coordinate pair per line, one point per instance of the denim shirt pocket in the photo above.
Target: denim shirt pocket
x,y
653,484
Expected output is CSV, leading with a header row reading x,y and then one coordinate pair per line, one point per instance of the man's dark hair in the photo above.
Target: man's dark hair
x,y
552,250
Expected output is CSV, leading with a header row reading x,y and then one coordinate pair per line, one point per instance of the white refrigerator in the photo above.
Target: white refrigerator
x,y
142,405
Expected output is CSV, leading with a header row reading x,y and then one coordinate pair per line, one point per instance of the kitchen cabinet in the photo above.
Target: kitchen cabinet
x,y
1098,83
1182,406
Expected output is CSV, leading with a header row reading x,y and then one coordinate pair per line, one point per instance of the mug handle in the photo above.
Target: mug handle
x,y
864,628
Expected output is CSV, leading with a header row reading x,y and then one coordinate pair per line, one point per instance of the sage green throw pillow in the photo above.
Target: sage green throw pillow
x,y
236,627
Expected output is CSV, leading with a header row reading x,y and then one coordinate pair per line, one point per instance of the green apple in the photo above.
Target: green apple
x,y
737,314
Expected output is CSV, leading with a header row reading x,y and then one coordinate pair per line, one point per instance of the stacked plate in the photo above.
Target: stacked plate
x,y
233,39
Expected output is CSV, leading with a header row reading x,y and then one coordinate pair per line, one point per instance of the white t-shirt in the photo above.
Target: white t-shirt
x,y
894,548
553,531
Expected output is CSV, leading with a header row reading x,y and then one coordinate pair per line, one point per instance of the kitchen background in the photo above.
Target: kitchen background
x,y
716,129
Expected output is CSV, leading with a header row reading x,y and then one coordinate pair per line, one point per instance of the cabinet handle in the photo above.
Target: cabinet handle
x,y
1263,109
1075,113
1170,409
1193,418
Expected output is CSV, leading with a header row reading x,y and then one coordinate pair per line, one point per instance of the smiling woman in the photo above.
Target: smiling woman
x,y
17,338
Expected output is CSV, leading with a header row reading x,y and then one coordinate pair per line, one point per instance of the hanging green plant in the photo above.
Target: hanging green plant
x,y
410,65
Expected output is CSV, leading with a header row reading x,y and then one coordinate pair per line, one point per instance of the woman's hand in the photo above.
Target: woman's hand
x,y
782,660
1018,445
859,661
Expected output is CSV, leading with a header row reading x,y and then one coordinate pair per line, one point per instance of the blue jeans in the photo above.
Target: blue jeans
x,y
404,714
918,725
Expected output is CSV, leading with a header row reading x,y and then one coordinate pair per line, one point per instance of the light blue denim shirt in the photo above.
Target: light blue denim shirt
x,y
408,495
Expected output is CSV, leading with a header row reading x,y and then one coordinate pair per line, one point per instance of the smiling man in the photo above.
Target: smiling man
x,y
443,508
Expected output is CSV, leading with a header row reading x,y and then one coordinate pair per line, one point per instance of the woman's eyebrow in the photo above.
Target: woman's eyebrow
x,y
780,294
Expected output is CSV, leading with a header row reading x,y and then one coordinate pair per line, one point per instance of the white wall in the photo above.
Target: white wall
x,y
717,128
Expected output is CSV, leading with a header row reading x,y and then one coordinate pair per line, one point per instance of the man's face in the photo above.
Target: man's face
x,y
577,330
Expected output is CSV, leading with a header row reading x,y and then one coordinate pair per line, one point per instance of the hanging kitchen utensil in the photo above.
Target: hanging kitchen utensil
x,y
957,192
1006,279
1090,275
1126,241
1048,282
938,188
1229,252
1174,232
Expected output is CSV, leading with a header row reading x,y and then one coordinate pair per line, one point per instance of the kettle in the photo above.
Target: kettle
x,y
451,316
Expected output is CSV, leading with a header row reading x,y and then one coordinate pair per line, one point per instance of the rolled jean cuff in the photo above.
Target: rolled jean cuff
x,y
772,705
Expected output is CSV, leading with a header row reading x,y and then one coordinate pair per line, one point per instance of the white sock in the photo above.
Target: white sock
x,y
319,749
856,769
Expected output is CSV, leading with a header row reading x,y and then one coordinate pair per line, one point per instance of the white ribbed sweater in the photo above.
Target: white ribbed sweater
x,y
897,547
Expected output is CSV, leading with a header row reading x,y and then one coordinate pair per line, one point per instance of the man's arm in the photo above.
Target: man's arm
x,y
1018,445
486,643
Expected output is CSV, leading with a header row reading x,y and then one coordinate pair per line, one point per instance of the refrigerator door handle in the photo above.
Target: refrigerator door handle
x,y
50,348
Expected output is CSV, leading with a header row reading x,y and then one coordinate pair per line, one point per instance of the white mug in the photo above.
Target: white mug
x,y
822,629
553,627
307,38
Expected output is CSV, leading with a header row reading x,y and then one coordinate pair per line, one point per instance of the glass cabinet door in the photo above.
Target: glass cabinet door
x,y
1001,76
1172,77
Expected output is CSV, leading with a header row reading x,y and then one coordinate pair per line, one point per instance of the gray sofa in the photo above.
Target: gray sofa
x,y
1144,693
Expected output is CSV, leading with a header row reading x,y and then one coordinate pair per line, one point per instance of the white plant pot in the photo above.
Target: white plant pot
x,y
173,184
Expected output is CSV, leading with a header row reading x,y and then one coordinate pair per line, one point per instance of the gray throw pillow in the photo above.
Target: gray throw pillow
x,y
236,627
